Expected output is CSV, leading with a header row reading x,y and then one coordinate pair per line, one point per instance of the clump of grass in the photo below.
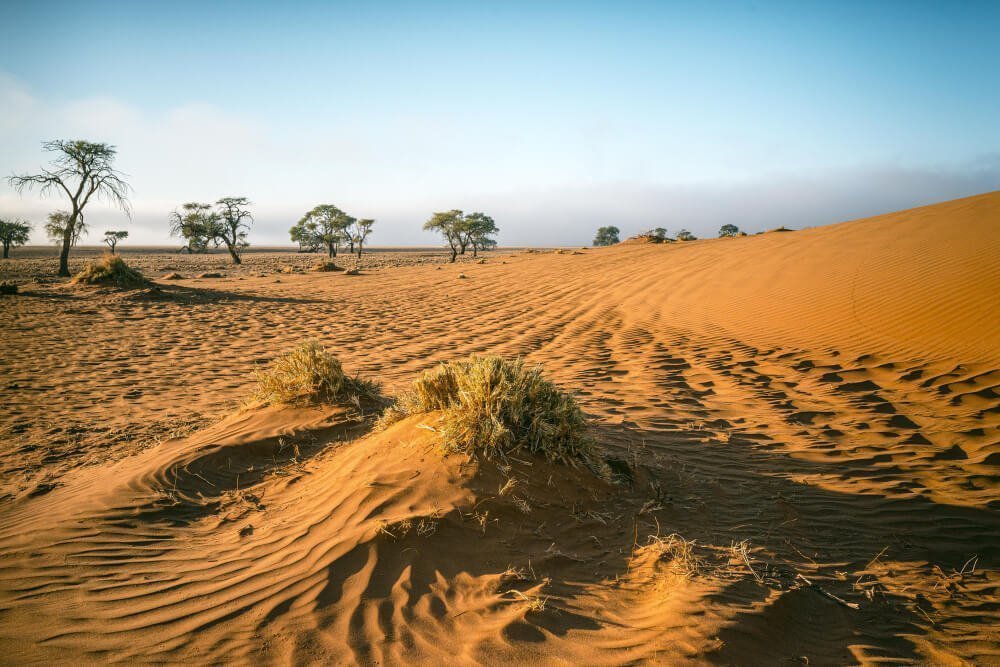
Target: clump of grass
x,y
110,270
309,375
325,266
678,553
493,407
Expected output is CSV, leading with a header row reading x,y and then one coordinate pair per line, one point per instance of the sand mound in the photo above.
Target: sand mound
x,y
325,266
496,408
110,270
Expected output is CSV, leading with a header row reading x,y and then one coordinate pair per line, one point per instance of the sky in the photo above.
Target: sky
x,y
555,118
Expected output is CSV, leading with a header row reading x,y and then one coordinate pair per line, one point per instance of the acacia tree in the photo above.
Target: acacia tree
x,y
728,229
362,228
81,170
231,225
448,224
112,239
685,235
479,230
194,223
325,225
58,226
14,233
607,236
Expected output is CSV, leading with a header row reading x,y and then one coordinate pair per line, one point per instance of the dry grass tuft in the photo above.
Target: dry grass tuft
x,y
110,270
678,553
309,375
494,407
325,266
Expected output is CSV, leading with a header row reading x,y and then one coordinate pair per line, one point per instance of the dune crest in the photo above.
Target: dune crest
x,y
803,431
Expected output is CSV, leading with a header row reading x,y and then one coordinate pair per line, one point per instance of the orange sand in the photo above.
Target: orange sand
x,y
831,396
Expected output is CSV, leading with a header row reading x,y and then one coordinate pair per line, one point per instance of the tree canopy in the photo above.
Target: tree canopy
x,y
13,233
196,224
729,229
480,230
360,232
450,225
112,238
685,235
59,226
233,225
81,170
607,236
325,226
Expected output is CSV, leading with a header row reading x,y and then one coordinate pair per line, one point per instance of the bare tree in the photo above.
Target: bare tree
x,y
13,233
362,228
112,239
232,225
80,170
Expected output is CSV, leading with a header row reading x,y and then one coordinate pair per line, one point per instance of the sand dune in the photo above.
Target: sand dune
x,y
817,411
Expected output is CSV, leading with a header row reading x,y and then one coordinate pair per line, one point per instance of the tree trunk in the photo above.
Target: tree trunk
x,y
475,250
234,255
352,246
6,250
67,242
454,254
359,251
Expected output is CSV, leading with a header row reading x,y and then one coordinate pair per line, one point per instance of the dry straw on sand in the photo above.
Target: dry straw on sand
x,y
110,270
493,406
309,375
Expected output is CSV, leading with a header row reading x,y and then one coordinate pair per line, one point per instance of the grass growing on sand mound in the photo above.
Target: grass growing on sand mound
x,y
325,266
309,375
494,406
110,270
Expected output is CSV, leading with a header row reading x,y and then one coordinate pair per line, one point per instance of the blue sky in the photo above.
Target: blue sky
x,y
555,118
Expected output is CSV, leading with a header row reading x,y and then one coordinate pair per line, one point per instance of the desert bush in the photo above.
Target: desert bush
x,y
493,407
110,270
325,266
309,375
9,288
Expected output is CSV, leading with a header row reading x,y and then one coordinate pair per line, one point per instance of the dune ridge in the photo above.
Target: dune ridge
x,y
828,398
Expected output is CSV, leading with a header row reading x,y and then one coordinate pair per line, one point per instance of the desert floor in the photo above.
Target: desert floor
x,y
804,429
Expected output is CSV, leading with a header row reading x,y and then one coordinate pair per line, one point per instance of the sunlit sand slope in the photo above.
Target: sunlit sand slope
x,y
817,413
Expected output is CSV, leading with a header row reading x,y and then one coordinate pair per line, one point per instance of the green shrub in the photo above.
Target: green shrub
x,y
494,407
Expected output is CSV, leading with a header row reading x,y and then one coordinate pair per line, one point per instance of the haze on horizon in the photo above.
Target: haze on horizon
x,y
553,119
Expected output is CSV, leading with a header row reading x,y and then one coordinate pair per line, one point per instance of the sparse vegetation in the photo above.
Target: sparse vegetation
x,y
111,238
325,226
462,230
685,235
678,553
607,236
658,235
200,226
362,228
81,170
309,375
325,266
233,224
14,233
494,407
728,230
58,222
193,223
110,270
8,288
